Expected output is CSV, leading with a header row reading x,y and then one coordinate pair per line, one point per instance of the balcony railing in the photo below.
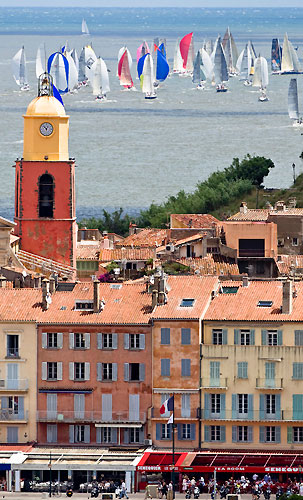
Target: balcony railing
x,y
8,415
269,383
252,415
178,413
14,384
251,252
90,416
12,352
210,383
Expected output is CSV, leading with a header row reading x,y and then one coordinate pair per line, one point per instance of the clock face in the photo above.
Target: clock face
x,y
46,128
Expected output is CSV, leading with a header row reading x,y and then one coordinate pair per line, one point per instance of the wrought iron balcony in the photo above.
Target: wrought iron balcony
x,y
269,383
14,385
212,383
90,416
12,352
9,415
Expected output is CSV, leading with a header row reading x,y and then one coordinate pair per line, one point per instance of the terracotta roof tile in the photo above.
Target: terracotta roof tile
x,y
145,238
214,265
117,254
286,262
196,221
88,252
250,215
243,306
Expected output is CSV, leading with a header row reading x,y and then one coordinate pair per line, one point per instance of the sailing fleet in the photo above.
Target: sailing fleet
x,y
213,63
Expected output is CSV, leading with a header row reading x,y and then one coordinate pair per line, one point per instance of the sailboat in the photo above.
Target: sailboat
x,y
86,60
208,67
220,67
244,64
293,103
100,81
276,56
40,60
290,63
178,61
124,66
142,50
72,73
260,78
231,52
161,68
146,75
198,73
84,28
187,54
19,69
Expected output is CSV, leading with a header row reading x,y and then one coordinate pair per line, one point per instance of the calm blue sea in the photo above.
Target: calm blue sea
x,y
131,152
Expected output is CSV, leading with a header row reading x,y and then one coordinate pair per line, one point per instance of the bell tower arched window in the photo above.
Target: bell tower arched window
x,y
46,196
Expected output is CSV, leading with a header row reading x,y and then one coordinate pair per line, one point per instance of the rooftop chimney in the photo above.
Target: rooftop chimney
x,y
52,285
2,281
280,206
287,297
154,298
96,296
105,241
245,280
243,207
37,281
45,294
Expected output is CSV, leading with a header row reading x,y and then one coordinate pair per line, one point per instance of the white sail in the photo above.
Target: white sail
x,y
148,75
264,72
208,66
74,56
230,50
220,69
293,103
72,72
58,72
257,79
178,61
19,68
290,62
190,57
41,60
85,30
100,81
295,59
86,60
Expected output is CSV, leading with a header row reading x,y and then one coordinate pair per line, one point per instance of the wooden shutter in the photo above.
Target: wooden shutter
x,y
165,336
87,434
99,340
252,337
185,367
280,337
278,406
20,407
185,405
262,434
234,409
59,370
222,406
114,435
234,434
165,367
222,433
44,370
71,340
236,336
142,341
115,340
126,372
142,372
126,341
134,407
107,407
297,406
126,436
87,371
289,435
262,407
87,340
264,337
99,372
250,406
206,433
114,372
278,434
158,432
60,340
224,336
206,405
185,336
71,371
250,434
98,435
192,432
44,340
79,406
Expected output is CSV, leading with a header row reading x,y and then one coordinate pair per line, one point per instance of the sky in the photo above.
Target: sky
x,y
153,3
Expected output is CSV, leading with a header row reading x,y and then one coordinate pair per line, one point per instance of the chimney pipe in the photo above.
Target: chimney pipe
x,y
37,281
245,280
2,281
45,294
287,297
154,298
52,285
96,296
243,207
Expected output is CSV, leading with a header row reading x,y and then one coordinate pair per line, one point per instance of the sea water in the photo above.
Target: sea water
x,y
131,152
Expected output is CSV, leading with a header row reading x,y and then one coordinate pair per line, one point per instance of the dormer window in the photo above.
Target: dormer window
x,y
84,305
46,196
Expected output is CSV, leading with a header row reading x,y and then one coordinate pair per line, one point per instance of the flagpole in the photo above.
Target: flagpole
x,y
173,457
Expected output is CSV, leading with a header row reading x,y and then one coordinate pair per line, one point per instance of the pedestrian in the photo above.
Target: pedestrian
x,y
123,492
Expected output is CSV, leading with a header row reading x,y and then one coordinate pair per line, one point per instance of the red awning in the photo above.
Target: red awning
x,y
223,461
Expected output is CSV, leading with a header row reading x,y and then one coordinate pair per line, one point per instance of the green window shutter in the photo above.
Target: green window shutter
x,y
289,435
234,434
280,337
224,336
222,403
252,337
222,434
297,400
236,336
278,434
264,337
206,405
206,433
297,371
262,434
250,434
262,407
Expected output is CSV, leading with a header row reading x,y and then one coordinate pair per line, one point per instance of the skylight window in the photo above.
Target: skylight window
x,y
116,286
230,289
265,303
187,302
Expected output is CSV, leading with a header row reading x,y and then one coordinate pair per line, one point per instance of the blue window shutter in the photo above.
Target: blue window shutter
x,y
98,435
115,341
179,431
262,407
115,372
278,406
222,404
185,367
185,336
252,337
280,337
71,433
99,372
264,337
234,405
114,435
4,402
206,405
126,372
224,336
236,336
142,372
165,367
126,436
262,434
250,406
297,406
298,337
222,433
244,369
278,434
126,341
234,434
169,428
21,407
142,341
250,434
206,433
87,434
289,435
99,340
158,432
193,431
165,336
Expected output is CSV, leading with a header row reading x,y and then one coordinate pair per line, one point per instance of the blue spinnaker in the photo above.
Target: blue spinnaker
x,y
57,95
59,77
162,49
162,67
140,65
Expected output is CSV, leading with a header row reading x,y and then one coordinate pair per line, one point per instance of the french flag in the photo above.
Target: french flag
x,y
168,405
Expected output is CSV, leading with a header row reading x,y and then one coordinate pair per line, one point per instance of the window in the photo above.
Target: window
x,y
187,302
242,433
215,401
107,340
215,432
230,289
298,434
79,341
46,196
265,303
242,369
242,403
217,337
185,405
79,433
294,242
87,305
272,337
134,341
134,435
244,337
79,373
51,433
186,431
12,346
134,372
52,340
165,431
107,371
165,367
165,336
185,336
185,368
107,435
270,434
297,371
298,337
13,405
52,371
270,404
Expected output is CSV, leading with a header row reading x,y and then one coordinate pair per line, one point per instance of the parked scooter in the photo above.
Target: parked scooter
x,y
188,493
196,492
69,492
267,493
95,491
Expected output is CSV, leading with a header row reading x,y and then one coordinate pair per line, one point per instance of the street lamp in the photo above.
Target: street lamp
x,y
50,474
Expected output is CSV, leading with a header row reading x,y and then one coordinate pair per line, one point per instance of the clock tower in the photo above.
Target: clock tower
x,y
45,181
